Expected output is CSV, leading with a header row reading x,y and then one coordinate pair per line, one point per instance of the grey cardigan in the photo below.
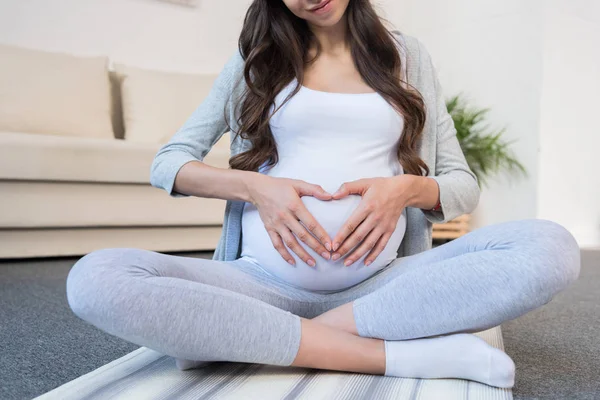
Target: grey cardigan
x,y
439,149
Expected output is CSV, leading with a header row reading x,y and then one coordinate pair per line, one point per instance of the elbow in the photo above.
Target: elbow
x,y
473,194
161,169
463,191
155,168
165,167
475,191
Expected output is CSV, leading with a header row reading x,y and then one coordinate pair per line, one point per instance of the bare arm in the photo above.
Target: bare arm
x,y
425,192
198,134
276,199
178,168
202,180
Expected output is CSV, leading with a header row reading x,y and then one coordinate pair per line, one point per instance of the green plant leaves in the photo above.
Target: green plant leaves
x,y
485,151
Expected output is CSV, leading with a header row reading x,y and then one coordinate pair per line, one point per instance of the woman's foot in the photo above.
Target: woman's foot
x,y
462,355
184,365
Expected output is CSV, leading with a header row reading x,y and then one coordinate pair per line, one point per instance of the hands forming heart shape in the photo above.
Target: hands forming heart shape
x,y
369,227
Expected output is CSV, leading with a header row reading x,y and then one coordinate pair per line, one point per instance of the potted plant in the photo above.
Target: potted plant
x,y
485,151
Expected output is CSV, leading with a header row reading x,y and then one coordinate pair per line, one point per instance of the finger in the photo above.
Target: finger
x,y
290,241
376,251
279,246
348,188
308,189
356,218
313,226
362,249
305,236
355,239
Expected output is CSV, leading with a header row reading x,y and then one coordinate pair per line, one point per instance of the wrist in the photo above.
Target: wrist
x,y
422,191
251,180
412,188
438,204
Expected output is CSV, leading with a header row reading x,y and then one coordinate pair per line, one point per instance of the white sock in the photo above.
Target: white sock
x,y
189,364
462,356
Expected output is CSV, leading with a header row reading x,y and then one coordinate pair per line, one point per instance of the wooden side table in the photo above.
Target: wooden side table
x,y
452,229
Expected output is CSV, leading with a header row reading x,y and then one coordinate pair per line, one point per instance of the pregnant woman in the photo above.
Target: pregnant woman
x,y
343,155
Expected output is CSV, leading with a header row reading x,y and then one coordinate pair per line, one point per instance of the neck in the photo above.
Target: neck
x,y
332,39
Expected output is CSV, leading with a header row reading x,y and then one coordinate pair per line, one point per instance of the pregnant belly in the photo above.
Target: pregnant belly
x,y
327,274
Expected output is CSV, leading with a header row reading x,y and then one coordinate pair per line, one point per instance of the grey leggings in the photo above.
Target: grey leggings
x,y
198,309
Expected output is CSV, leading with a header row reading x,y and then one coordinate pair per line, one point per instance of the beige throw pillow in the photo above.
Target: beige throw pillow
x,y
156,104
54,93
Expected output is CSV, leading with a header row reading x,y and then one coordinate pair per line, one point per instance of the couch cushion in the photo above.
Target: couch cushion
x,y
51,204
47,242
54,93
26,156
156,104
44,157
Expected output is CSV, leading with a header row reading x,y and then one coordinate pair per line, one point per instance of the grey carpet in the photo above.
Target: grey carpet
x,y
556,348
43,345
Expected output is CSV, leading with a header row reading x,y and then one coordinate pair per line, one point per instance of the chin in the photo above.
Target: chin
x,y
334,20
330,17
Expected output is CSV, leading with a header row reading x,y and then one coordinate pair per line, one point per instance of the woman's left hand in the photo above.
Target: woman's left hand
x,y
375,218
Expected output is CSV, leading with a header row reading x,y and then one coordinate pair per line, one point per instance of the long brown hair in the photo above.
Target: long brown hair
x,y
274,44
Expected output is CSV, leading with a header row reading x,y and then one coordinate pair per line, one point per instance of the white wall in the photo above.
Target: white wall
x,y
535,63
490,51
145,33
569,183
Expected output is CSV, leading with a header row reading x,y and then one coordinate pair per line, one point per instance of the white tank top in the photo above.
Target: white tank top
x,y
327,139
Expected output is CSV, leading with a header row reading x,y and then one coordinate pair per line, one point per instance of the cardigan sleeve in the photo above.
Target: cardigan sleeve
x,y
199,133
458,185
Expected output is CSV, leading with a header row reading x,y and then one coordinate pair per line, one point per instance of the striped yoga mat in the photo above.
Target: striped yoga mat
x,y
147,374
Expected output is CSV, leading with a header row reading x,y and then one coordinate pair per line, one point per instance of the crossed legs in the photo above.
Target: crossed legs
x,y
209,310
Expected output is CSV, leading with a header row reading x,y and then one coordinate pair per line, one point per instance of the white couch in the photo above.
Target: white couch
x,y
76,143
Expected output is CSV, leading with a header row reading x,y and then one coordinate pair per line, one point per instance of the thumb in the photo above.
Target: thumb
x,y
317,191
347,188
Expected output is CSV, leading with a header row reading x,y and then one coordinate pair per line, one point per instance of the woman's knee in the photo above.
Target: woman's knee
x,y
557,256
92,276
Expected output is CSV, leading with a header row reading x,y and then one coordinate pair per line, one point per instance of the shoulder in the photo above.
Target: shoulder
x,y
233,70
236,62
419,64
413,46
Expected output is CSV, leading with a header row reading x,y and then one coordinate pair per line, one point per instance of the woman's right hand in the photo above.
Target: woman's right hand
x,y
286,218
